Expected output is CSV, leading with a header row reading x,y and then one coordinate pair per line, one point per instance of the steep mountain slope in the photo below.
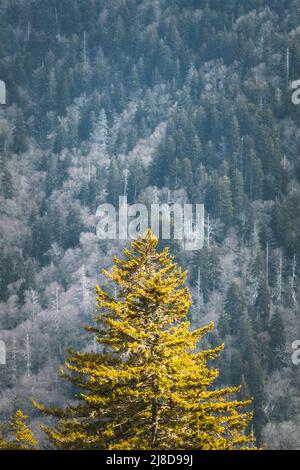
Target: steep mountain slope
x,y
153,99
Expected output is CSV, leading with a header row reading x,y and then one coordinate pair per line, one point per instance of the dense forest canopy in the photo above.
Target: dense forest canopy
x,y
152,99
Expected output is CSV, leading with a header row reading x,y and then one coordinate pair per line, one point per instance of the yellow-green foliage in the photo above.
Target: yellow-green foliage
x,y
20,436
3,441
148,388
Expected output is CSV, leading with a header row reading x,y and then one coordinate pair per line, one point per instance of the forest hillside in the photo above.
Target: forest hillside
x,y
161,100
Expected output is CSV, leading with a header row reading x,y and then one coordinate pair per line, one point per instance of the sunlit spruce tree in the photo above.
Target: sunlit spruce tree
x,y
149,387
20,436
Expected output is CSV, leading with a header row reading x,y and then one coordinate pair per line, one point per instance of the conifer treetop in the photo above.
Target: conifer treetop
x,y
148,386
20,436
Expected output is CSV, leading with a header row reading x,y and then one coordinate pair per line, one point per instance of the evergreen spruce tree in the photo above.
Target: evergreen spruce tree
x,y
235,307
20,436
19,134
224,200
277,341
7,188
149,387
263,305
3,442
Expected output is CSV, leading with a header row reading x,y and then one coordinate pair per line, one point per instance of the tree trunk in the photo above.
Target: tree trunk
x,y
154,423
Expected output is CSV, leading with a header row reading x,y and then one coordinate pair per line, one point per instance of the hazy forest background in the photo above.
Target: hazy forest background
x,y
161,100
